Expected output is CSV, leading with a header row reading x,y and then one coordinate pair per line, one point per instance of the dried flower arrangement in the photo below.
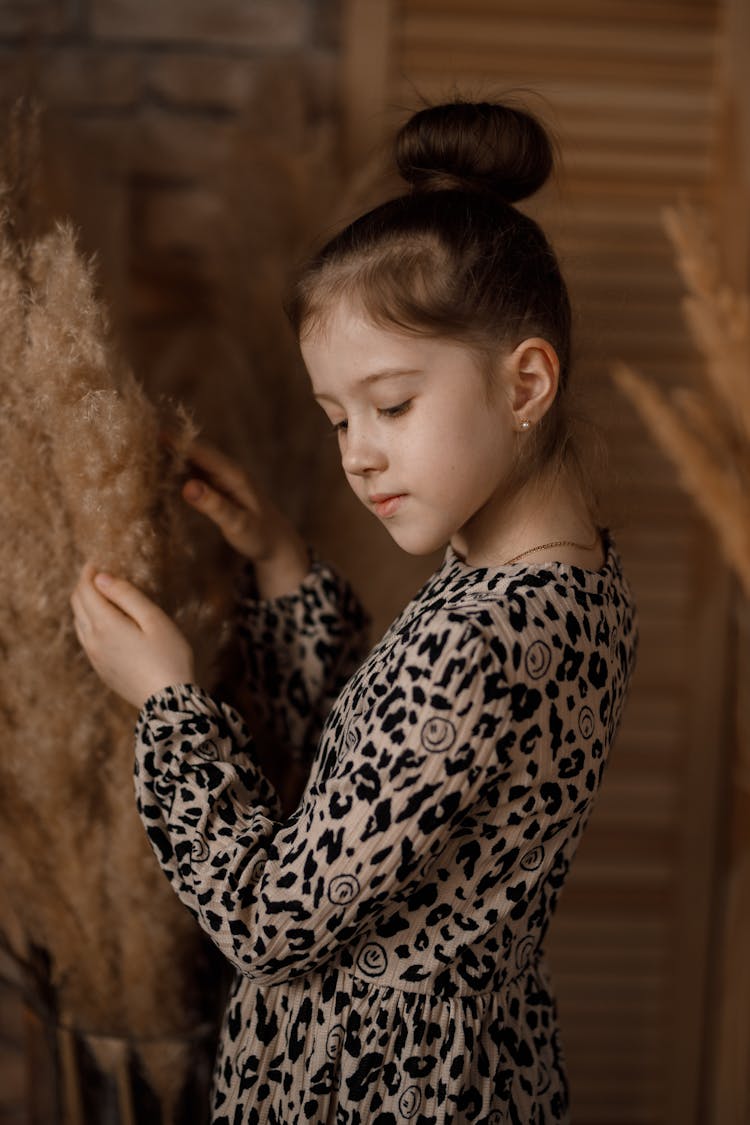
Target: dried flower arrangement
x,y
707,432
85,477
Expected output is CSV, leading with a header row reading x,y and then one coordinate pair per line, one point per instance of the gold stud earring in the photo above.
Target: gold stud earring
x,y
525,423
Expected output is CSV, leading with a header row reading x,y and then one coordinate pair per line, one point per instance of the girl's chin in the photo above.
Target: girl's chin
x,y
414,544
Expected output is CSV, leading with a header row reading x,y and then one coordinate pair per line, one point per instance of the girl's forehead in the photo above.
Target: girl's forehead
x,y
347,321
352,337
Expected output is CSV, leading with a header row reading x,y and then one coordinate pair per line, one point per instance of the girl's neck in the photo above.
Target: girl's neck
x,y
552,511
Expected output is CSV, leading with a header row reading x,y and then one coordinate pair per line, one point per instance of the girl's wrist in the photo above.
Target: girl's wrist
x,y
284,571
182,674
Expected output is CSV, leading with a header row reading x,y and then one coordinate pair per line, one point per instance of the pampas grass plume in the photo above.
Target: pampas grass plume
x,y
85,477
706,431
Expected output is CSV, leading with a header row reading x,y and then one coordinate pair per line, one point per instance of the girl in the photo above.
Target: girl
x,y
388,935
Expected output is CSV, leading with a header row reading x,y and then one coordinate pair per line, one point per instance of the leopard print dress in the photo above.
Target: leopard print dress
x,y
388,935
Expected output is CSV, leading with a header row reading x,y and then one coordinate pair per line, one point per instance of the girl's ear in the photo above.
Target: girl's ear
x,y
532,373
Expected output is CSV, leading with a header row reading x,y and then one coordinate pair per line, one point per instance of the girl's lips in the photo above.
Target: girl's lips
x,y
389,505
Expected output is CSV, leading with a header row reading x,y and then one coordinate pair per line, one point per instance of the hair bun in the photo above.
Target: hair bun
x,y
475,146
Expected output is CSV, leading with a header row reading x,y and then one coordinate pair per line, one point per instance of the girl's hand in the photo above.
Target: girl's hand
x,y
247,518
133,646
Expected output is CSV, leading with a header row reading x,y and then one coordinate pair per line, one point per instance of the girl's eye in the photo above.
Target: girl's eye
x,y
388,412
395,411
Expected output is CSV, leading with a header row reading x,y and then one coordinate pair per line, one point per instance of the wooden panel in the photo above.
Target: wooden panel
x,y
366,35
629,90
728,1031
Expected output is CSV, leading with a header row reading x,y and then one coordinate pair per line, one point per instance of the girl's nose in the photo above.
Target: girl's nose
x,y
360,453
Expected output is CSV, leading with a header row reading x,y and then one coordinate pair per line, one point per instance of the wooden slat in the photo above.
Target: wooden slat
x,y
700,15
567,39
366,34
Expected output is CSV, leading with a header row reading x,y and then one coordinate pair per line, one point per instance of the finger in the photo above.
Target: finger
x,y
126,597
230,477
224,512
99,614
83,633
79,632
80,617
81,597
98,598
87,572
207,456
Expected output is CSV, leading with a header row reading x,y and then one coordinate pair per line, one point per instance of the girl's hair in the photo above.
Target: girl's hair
x,y
454,258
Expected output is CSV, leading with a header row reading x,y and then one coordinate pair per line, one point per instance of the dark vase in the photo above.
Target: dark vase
x,y
103,1080
74,1077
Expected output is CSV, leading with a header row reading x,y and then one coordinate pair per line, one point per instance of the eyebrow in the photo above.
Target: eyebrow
x,y
374,376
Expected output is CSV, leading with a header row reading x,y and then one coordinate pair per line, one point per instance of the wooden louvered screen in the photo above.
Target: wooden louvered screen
x,y
630,88
730,1038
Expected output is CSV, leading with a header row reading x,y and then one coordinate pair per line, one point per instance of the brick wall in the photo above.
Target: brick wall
x,y
142,106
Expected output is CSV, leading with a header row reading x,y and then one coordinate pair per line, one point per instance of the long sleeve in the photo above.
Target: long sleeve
x,y
299,650
280,899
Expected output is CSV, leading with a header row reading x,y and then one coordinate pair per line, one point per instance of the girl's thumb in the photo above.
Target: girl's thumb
x,y
124,595
194,490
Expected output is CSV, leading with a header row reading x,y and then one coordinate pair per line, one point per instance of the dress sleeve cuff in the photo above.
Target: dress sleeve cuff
x,y
188,713
175,701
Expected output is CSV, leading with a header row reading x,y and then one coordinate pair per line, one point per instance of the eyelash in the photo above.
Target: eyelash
x,y
388,412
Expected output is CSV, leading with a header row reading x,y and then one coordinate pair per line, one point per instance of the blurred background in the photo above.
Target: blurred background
x,y
201,148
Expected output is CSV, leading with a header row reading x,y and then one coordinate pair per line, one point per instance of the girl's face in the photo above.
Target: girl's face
x,y
420,445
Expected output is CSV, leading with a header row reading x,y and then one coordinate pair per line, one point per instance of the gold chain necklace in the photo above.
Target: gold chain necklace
x,y
554,543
